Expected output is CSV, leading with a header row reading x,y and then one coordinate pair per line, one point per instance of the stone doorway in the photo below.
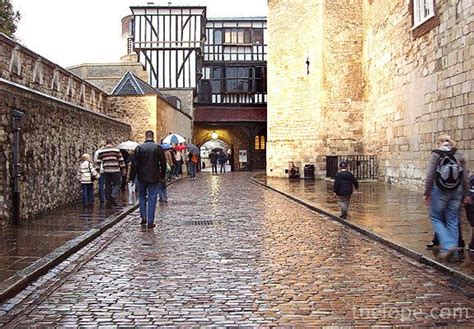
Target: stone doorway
x,y
216,145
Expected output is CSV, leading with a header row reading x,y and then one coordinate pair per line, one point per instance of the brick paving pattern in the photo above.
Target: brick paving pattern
x,y
229,252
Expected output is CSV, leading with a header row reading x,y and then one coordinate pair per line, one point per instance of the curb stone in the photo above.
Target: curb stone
x,y
16,283
465,278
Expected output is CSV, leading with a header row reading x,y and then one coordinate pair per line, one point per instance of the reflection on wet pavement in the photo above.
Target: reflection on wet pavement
x,y
21,245
394,212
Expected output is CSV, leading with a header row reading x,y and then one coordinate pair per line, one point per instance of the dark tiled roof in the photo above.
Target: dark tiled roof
x,y
130,84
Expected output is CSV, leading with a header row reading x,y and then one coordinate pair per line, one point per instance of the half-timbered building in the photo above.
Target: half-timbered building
x,y
216,66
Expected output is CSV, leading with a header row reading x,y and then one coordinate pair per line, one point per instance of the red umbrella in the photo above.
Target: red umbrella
x,y
180,147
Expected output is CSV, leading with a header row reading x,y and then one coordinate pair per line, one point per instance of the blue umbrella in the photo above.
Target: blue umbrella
x,y
174,139
166,146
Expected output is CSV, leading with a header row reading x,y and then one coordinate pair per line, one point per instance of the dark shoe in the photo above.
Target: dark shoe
x,y
143,222
431,244
470,248
446,254
150,225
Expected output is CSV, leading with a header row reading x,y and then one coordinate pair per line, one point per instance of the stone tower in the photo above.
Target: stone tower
x,y
314,82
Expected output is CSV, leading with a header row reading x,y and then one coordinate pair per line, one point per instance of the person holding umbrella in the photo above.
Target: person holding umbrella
x,y
149,165
193,159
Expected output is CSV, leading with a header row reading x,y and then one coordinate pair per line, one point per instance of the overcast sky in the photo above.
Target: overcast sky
x,y
71,32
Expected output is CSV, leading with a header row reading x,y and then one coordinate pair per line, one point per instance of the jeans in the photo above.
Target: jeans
x,y
162,193
147,199
87,194
101,188
192,169
112,185
444,214
177,169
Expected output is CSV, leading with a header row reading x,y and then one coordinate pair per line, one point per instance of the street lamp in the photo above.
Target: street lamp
x,y
214,135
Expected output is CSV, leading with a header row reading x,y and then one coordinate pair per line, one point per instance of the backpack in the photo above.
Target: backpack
x,y
449,172
194,158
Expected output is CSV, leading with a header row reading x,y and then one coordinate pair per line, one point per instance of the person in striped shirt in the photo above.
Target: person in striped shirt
x,y
113,166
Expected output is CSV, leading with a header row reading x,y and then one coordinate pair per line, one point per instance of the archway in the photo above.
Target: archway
x,y
213,145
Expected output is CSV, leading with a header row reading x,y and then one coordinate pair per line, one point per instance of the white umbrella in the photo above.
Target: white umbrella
x,y
128,145
174,139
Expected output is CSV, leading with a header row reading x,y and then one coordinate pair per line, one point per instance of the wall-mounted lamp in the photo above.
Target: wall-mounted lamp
x,y
214,135
307,65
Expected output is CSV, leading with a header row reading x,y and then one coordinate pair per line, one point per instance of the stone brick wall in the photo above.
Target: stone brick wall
x,y
54,136
107,76
375,85
21,65
150,112
313,110
172,120
417,88
186,96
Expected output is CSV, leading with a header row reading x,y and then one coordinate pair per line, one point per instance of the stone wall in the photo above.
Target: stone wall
x,y
172,120
23,66
53,137
417,88
375,85
150,112
107,76
185,95
315,91
295,98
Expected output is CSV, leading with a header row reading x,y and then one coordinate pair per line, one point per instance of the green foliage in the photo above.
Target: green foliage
x,y
8,18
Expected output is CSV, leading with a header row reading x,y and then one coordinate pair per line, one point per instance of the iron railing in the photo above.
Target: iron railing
x,y
362,166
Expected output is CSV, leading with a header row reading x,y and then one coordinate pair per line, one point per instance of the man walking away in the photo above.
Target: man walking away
x,y
149,165
113,164
213,159
222,158
343,187
445,184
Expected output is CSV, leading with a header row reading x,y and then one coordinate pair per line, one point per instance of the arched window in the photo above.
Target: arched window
x,y
262,142
257,143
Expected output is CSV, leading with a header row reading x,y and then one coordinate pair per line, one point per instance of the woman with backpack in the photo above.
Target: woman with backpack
x,y
446,186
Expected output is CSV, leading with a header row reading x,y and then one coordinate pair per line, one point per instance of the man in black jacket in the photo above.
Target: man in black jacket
x,y
343,183
149,165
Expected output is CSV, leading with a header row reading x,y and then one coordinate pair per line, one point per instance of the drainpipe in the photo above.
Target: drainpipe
x,y
17,116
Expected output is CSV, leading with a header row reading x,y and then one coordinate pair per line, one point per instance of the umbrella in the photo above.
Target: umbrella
x,y
193,149
217,149
166,146
174,139
180,147
128,145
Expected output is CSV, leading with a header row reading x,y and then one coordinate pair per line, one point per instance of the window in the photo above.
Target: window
x,y
262,142
258,36
259,143
237,79
422,11
238,36
216,80
217,37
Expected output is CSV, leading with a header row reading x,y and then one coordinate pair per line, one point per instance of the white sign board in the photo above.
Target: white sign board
x,y
242,155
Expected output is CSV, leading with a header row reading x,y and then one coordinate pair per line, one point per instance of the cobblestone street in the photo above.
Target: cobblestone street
x,y
226,251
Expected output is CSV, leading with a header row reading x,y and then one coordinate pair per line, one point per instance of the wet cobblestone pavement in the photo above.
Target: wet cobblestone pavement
x,y
227,252
22,245
394,212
